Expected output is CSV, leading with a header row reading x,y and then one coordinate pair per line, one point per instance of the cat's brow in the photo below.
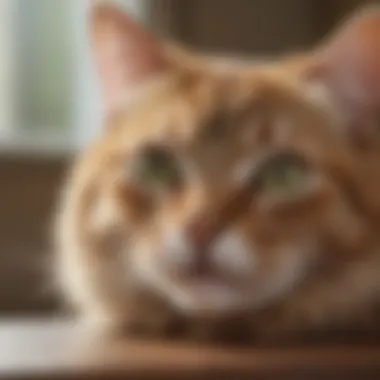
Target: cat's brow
x,y
214,126
225,120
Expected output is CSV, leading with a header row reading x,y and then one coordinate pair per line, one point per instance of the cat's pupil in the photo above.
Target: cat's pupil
x,y
158,166
283,172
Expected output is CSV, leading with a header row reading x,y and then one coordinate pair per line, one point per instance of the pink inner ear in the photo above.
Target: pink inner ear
x,y
352,61
125,55
349,66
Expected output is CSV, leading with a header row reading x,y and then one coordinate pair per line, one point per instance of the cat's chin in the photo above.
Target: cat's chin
x,y
204,296
208,297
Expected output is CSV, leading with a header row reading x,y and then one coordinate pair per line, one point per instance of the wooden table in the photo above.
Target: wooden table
x,y
55,350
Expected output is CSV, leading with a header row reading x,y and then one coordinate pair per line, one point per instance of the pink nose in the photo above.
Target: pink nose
x,y
201,232
204,229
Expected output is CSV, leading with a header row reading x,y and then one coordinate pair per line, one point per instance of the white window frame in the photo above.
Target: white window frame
x,y
85,98
6,68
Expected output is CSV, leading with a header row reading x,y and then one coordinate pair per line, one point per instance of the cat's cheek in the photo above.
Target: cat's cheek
x,y
142,262
281,270
153,261
232,253
175,251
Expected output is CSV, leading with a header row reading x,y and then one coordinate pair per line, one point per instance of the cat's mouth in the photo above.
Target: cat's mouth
x,y
208,294
203,270
206,290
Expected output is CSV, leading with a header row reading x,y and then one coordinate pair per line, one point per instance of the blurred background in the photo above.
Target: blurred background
x,y
49,103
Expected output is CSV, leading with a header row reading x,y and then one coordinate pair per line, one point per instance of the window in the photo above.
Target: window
x,y
48,95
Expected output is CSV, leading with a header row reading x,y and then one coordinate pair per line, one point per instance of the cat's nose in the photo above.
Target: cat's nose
x,y
205,228
201,232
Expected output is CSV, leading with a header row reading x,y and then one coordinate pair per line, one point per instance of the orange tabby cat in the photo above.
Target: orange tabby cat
x,y
227,199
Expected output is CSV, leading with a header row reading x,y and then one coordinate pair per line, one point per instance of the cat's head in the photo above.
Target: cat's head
x,y
220,186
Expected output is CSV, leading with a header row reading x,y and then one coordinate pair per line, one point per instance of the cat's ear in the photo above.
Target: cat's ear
x,y
125,55
349,66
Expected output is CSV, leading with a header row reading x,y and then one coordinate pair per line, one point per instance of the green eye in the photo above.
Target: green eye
x,y
284,173
158,167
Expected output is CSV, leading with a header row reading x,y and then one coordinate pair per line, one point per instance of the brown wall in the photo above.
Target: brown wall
x,y
28,188
252,26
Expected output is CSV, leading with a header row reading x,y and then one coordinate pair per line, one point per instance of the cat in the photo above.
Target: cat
x,y
226,200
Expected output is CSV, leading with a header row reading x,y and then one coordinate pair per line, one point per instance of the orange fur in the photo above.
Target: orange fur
x,y
283,265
